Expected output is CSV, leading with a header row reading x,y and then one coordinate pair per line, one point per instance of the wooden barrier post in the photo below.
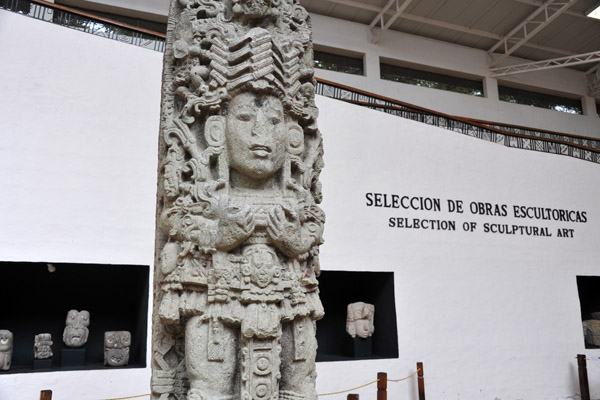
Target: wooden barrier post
x,y
352,396
584,386
381,386
421,381
46,395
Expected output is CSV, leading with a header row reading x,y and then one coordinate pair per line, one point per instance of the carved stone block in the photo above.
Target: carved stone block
x,y
238,204
42,347
360,319
591,331
116,348
6,349
76,330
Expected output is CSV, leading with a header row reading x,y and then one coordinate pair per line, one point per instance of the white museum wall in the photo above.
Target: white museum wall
x,y
79,123
491,316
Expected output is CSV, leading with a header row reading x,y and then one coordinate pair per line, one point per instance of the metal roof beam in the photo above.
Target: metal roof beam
x,y
530,26
541,3
447,25
380,17
546,64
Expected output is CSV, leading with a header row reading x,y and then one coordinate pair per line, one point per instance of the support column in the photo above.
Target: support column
x,y
371,65
588,104
490,88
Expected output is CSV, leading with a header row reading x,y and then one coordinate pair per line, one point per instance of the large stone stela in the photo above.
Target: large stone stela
x,y
239,226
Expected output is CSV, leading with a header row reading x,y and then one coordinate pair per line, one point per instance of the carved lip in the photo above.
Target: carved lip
x,y
260,150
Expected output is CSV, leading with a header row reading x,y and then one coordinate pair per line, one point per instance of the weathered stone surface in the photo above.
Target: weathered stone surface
x,y
6,348
360,320
42,347
591,331
116,348
239,222
76,330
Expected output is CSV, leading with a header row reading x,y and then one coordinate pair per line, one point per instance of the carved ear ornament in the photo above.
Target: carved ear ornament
x,y
295,138
214,131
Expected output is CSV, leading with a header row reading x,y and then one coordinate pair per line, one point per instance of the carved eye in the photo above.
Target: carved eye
x,y
275,121
244,117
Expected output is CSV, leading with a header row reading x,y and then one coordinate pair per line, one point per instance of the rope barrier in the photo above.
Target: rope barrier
x,y
403,379
318,395
348,390
370,383
130,397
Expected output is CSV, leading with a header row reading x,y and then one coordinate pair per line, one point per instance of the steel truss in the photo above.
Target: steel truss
x,y
380,17
530,26
546,64
448,25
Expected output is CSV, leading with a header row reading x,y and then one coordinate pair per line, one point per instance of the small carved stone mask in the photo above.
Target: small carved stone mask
x,y
360,320
6,347
256,135
76,330
42,347
116,348
6,340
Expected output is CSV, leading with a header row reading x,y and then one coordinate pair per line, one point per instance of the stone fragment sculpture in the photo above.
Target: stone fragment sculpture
x,y
239,225
76,330
116,348
591,331
360,320
42,347
6,349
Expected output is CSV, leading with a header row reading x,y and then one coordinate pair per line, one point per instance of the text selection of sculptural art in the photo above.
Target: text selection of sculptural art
x,y
240,156
6,349
116,348
360,320
76,330
42,347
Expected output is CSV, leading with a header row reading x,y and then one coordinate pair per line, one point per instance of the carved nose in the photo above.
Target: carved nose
x,y
259,125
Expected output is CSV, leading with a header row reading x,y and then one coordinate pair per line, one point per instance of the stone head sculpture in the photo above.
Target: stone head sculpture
x,y
116,348
76,330
42,347
359,320
6,348
591,331
240,225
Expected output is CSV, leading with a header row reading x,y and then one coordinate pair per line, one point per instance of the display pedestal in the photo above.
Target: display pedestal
x,y
362,347
72,357
42,364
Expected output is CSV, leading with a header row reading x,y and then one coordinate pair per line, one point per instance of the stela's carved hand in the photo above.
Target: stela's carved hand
x,y
236,224
287,232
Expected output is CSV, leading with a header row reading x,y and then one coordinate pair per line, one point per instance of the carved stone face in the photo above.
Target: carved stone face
x,y
42,347
6,340
6,346
252,8
116,348
76,331
255,135
360,320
